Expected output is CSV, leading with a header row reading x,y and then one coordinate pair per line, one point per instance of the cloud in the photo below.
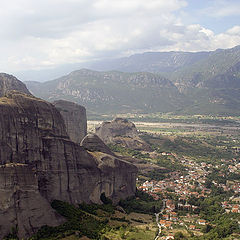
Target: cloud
x,y
42,34
222,8
234,31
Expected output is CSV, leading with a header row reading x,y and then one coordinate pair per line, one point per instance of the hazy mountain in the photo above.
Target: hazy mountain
x,y
200,83
113,91
154,62
217,64
213,83
167,63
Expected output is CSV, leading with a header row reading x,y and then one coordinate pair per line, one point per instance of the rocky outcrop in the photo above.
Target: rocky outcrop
x,y
118,127
115,173
121,131
94,144
9,82
75,119
39,163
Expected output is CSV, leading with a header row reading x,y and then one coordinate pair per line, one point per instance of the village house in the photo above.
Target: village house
x,y
173,216
201,222
235,209
170,237
166,224
166,217
192,227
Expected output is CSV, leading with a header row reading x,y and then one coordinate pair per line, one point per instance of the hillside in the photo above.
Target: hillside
x,y
113,91
214,83
216,64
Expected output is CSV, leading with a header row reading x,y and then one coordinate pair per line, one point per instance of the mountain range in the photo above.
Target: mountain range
x,y
179,82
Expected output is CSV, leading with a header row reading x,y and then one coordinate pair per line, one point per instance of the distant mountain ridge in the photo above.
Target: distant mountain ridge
x,y
217,63
191,83
112,91
155,62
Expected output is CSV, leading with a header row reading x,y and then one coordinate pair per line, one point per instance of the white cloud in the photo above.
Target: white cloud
x,y
197,38
222,8
234,31
40,34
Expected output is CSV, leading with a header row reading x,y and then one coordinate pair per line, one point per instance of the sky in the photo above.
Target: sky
x,y
44,34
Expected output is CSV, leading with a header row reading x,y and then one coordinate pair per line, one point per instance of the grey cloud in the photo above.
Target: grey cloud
x,y
48,19
47,33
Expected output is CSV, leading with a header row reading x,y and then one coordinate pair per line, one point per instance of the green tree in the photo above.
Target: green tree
x,y
179,236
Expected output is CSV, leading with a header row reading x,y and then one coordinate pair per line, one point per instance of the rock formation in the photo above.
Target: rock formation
x,y
75,119
21,204
9,82
94,144
121,131
39,163
115,173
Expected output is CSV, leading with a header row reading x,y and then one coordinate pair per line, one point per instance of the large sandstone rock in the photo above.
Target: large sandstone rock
x,y
75,119
118,127
39,163
121,131
94,144
115,173
9,82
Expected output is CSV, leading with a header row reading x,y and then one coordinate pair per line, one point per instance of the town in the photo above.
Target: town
x,y
179,189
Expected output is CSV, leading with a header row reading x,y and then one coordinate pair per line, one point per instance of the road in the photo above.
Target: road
x,y
159,226
157,220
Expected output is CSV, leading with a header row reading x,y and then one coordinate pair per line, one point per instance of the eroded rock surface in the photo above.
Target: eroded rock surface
x,y
21,204
39,163
121,131
75,119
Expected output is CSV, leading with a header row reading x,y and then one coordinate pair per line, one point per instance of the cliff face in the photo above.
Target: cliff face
x,y
121,131
39,163
21,204
9,82
75,119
